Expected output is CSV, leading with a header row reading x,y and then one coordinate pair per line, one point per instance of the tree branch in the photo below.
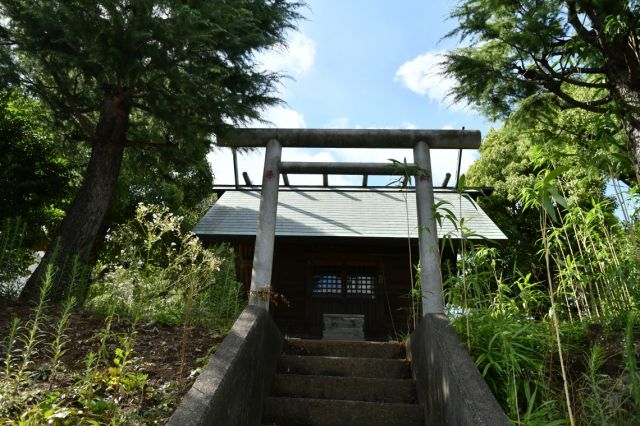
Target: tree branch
x,y
82,120
6,37
592,106
150,145
585,70
596,22
564,76
572,16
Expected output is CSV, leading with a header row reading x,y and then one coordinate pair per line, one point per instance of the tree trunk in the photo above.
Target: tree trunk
x,y
626,79
632,128
621,61
77,232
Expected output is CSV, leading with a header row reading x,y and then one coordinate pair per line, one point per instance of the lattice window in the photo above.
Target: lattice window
x,y
362,282
327,282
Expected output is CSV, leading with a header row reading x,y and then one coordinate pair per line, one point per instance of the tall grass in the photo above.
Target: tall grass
x,y
533,340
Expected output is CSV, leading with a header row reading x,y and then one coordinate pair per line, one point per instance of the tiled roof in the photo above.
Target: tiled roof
x,y
381,213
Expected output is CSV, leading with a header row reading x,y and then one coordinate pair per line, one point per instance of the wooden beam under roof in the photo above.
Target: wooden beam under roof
x,y
351,138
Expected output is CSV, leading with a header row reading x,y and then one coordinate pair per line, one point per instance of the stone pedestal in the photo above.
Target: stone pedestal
x,y
343,327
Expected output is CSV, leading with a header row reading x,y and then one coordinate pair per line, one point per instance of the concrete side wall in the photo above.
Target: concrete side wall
x,y
449,384
232,387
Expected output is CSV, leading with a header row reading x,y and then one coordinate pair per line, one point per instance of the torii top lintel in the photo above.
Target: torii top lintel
x,y
352,138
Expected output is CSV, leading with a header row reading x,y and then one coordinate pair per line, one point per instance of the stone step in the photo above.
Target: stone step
x,y
323,412
345,388
339,366
345,348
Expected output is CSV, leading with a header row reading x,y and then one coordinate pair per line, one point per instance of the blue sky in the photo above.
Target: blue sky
x,y
362,64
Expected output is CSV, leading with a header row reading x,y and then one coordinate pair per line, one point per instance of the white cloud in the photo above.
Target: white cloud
x,y
345,123
316,155
295,59
282,117
424,75
337,123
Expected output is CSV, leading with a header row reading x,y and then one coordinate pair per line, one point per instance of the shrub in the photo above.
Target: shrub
x,y
153,271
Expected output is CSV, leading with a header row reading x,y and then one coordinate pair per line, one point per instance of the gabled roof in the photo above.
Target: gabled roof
x,y
362,213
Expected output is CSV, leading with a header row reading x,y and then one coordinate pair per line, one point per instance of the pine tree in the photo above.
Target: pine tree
x,y
549,49
151,74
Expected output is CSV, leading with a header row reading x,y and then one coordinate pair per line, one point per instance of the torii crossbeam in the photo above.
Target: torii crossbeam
x,y
421,141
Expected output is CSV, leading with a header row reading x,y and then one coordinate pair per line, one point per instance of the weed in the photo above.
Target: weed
x,y
33,334
59,339
149,270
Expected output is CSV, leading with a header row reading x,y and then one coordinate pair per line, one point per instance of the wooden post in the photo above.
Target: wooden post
x,y
265,235
247,180
430,273
235,167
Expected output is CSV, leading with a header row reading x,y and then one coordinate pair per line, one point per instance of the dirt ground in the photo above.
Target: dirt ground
x,y
157,350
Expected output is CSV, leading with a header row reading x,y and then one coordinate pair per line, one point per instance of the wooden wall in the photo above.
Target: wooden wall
x,y
294,259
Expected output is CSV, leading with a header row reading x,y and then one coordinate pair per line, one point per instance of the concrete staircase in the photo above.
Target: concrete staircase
x,y
322,382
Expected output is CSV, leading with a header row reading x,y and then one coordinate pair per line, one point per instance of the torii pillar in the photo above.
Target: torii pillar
x,y
266,232
430,272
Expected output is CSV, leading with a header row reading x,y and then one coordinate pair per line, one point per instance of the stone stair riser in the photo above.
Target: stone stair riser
x,y
323,412
345,388
343,383
388,350
352,367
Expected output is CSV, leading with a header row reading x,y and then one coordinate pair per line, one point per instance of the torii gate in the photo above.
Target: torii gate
x,y
421,141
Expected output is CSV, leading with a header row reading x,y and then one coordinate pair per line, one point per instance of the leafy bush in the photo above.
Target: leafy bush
x,y
152,270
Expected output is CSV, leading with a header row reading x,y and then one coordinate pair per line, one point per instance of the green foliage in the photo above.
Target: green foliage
x,y
170,178
526,332
631,366
151,269
37,175
557,53
57,347
594,398
562,75
33,334
606,399
482,284
186,69
163,75
522,47
94,396
588,150
511,353
9,344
